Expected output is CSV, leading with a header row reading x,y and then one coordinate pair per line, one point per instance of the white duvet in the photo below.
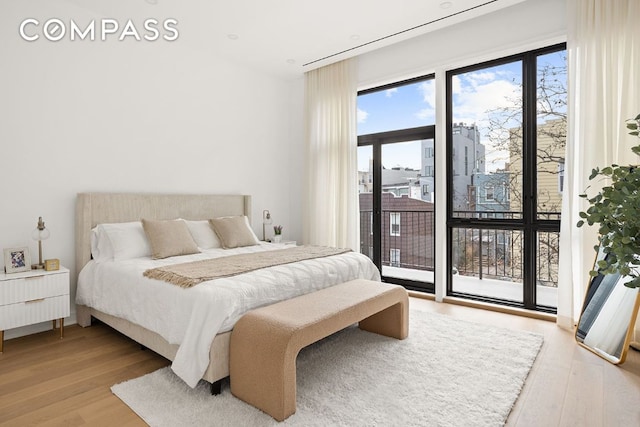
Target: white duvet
x,y
192,317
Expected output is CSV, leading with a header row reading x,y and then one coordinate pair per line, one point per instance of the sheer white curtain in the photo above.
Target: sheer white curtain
x,y
331,212
603,46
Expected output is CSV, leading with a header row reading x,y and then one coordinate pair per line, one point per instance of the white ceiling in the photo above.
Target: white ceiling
x,y
290,37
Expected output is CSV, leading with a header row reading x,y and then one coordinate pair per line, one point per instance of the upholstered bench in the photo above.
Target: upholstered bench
x,y
265,342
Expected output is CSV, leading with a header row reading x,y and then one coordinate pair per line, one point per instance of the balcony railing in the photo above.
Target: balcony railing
x,y
482,253
542,216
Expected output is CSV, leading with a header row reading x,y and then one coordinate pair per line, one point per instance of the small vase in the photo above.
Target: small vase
x,y
277,238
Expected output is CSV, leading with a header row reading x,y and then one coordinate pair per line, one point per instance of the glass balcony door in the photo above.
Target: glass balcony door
x,y
397,204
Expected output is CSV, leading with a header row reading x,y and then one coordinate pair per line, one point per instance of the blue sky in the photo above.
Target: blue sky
x,y
412,105
398,108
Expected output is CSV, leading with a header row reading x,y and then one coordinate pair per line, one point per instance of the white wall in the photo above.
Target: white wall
x,y
528,25
134,116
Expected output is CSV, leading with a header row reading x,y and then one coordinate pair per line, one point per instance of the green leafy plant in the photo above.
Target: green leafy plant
x,y
616,210
277,229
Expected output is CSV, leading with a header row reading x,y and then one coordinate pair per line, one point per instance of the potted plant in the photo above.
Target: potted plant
x,y
616,210
277,231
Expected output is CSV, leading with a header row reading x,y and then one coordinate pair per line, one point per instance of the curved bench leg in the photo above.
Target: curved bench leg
x,y
392,322
262,367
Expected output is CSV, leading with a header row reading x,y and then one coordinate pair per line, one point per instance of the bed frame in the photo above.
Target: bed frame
x,y
96,208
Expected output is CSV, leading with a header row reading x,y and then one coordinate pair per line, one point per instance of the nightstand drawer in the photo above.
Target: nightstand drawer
x,y
33,311
35,287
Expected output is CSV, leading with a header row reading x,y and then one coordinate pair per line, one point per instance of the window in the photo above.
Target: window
x,y
466,161
514,148
428,171
428,152
395,223
488,194
394,257
425,189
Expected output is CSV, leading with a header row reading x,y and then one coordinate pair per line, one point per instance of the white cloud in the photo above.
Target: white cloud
x,y
427,114
390,92
428,91
456,85
362,116
479,77
475,100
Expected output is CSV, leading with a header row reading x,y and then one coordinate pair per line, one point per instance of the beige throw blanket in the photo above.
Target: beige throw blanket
x,y
190,274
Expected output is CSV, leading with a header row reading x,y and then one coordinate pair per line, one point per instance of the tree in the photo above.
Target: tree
x,y
505,134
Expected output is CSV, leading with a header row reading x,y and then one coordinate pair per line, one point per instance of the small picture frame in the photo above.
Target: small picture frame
x,y
17,260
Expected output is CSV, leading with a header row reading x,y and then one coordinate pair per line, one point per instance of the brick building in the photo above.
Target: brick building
x,y
407,231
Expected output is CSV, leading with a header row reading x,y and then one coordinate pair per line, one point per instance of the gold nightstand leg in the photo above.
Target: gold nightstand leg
x,y
54,324
61,328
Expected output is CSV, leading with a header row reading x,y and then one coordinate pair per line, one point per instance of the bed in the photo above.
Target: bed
x,y
98,293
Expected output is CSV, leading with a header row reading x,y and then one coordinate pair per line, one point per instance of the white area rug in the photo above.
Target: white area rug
x,y
447,373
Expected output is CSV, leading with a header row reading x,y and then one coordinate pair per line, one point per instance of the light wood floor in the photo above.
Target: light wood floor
x,y
48,381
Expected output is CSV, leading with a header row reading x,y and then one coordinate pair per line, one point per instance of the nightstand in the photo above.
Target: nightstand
x,y
32,297
285,242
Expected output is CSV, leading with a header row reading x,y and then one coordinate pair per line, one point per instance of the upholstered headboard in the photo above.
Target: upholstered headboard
x,y
99,208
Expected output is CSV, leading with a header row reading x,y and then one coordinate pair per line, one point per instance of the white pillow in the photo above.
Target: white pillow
x,y
101,249
203,234
119,241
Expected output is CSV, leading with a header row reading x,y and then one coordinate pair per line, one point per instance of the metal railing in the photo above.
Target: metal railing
x,y
542,216
482,253
487,253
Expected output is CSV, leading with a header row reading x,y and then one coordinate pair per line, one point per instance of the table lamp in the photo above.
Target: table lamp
x,y
39,234
266,220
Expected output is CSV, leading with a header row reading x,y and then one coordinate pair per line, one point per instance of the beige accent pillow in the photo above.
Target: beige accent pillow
x,y
169,238
234,231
